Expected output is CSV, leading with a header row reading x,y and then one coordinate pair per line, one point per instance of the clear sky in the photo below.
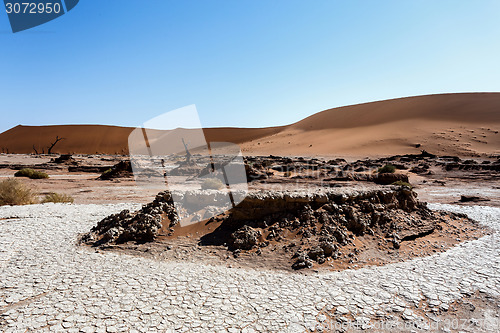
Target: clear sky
x,y
246,63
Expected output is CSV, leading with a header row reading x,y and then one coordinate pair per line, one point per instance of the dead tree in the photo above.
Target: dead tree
x,y
49,151
36,151
188,154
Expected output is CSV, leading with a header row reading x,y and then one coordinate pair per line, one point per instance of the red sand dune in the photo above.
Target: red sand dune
x,y
458,124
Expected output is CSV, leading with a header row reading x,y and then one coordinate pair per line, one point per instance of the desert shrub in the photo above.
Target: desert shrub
x,y
13,192
30,173
39,175
211,184
57,197
24,173
402,183
388,168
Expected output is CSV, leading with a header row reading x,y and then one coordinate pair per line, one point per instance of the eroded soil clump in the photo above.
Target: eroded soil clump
x,y
309,229
286,169
122,169
314,227
141,226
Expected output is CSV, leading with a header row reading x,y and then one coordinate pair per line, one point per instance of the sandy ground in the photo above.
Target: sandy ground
x,y
442,187
82,186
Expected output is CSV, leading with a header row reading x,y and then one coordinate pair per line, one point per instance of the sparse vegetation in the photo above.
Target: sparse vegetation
x,y
13,192
402,183
58,198
24,173
32,174
211,184
287,174
388,168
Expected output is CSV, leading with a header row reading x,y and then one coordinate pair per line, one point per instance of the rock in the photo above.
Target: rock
x,y
344,177
396,243
122,169
65,159
245,238
253,174
142,226
315,253
425,154
186,170
284,168
341,236
88,168
302,262
357,222
471,198
419,169
328,248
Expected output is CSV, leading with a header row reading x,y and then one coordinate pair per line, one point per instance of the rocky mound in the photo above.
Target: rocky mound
x,y
316,226
141,226
277,169
312,227
65,159
122,169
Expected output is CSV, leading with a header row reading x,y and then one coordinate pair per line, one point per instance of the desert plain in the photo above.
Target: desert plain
x,y
381,216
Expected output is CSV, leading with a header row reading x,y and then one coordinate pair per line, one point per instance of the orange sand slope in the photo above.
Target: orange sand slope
x,y
458,124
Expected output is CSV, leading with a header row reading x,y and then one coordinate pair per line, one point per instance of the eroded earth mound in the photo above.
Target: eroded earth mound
x,y
122,169
310,227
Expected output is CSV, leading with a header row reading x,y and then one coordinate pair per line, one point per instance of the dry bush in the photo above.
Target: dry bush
x,y
402,183
13,192
58,198
388,168
32,174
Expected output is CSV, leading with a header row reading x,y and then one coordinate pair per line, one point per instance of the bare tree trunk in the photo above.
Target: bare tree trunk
x,y
188,154
49,151
36,151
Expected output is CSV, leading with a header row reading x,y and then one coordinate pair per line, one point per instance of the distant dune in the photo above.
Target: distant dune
x,y
452,124
84,139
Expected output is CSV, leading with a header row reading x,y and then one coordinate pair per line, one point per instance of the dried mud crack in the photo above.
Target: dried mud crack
x,y
87,290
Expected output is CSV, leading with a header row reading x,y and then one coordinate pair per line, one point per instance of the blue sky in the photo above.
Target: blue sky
x,y
246,63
